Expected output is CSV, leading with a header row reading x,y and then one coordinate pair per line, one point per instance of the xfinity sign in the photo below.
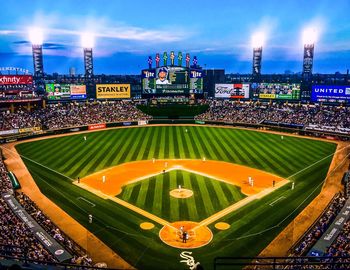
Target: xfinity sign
x,y
330,93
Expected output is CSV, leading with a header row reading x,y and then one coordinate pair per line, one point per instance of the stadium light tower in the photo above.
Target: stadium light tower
x,y
309,39
87,42
258,40
36,37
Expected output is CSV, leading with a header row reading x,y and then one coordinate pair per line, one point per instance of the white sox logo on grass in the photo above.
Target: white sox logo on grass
x,y
189,260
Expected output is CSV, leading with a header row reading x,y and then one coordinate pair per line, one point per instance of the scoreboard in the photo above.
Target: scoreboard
x,y
172,80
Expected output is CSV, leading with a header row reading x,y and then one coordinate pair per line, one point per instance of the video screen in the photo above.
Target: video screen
x,y
288,91
172,80
56,91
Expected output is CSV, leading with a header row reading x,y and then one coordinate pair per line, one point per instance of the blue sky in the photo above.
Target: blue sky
x,y
217,32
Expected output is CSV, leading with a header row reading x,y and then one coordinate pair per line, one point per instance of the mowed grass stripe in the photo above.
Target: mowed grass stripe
x,y
217,150
162,145
118,141
233,155
166,142
224,148
180,144
208,151
258,154
136,146
190,141
157,196
153,144
174,202
198,145
141,198
144,149
176,143
94,154
171,151
235,140
275,154
206,200
121,156
50,158
80,153
186,149
192,210
101,156
165,199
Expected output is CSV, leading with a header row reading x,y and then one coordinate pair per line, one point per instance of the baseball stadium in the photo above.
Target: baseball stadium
x,y
178,167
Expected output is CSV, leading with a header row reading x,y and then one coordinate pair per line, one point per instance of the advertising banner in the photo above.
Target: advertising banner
x,y
111,91
330,93
16,79
96,126
142,122
9,132
46,240
28,130
289,91
56,91
237,90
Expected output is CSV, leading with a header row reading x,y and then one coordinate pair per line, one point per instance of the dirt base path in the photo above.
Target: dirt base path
x,y
282,244
98,251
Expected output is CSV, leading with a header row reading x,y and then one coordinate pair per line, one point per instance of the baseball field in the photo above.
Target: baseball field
x,y
232,190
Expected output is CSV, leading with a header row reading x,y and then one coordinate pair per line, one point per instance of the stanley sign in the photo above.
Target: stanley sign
x,y
110,91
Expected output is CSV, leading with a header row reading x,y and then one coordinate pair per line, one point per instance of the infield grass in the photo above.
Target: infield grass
x,y
54,163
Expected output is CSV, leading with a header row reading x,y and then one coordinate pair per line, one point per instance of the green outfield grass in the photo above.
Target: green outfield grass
x,y
55,162
152,195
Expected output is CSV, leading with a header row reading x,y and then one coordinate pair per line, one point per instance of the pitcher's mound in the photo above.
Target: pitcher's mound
x,y
198,236
181,193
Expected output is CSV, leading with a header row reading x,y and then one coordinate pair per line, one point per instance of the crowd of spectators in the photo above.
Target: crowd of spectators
x,y
321,225
56,116
16,238
13,231
32,209
323,118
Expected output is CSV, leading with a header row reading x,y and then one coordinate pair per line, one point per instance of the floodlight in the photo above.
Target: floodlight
x,y
258,40
36,36
87,40
309,36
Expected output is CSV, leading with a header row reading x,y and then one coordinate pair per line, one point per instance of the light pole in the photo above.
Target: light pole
x,y
36,38
87,42
257,44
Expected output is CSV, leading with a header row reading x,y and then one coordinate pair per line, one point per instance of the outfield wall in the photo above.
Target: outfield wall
x,y
273,127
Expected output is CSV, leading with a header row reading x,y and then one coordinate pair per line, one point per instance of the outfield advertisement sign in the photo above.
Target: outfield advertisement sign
x,y
142,122
49,243
236,90
330,93
112,91
8,132
96,126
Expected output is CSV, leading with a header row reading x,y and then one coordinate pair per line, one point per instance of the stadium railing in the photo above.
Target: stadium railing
x,y
19,256
225,263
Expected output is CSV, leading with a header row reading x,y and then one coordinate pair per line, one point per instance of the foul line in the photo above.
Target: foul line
x,y
278,199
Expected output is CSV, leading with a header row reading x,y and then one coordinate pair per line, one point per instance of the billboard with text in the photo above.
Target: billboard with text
x,y
113,91
16,79
56,91
236,90
330,93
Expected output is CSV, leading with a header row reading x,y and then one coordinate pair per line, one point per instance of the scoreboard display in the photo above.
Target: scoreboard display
x,y
279,91
172,80
56,91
